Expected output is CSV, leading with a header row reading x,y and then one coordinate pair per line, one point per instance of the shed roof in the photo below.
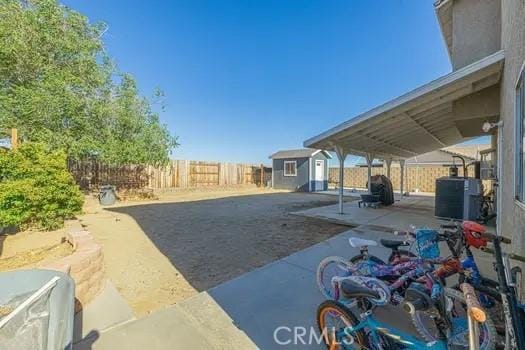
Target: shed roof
x,y
417,122
299,153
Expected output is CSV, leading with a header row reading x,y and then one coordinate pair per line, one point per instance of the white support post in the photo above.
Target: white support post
x,y
341,155
402,177
369,161
388,162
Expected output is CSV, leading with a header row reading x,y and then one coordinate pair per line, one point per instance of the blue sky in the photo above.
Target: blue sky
x,y
244,79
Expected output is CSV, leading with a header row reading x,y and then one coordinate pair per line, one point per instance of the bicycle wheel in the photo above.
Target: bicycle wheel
x,y
330,267
403,253
361,258
490,300
332,319
459,334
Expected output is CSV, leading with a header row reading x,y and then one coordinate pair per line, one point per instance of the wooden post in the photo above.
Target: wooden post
x,y
341,155
369,161
14,139
388,162
402,176
262,175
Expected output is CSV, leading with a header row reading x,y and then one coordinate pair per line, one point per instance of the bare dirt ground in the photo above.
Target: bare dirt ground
x,y
160,252
29,249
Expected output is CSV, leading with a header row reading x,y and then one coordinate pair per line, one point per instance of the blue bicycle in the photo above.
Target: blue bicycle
x,y
343,330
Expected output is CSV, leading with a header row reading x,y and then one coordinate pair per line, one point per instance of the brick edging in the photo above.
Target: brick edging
x,y
85,266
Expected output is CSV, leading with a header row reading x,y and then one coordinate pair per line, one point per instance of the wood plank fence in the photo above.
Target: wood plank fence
x,y
90,174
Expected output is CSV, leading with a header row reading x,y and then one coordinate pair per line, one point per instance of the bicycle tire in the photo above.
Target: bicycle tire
x,y
349,319
401,252
323,277
362,257
489,334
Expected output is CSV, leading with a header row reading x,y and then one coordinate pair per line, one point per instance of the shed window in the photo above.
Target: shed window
x,y
290,168
520,138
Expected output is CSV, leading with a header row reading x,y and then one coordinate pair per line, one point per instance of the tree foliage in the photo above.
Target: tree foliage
x,y
58,87
36,188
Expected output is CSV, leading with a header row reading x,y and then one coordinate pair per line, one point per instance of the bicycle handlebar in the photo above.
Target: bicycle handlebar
x,y
492,237
511,255
474,308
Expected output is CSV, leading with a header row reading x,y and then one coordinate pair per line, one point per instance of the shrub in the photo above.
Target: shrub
x,y
36,189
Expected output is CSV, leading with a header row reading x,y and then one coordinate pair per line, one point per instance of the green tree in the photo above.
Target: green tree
x,y
58,87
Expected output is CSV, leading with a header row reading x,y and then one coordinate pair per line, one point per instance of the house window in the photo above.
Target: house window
x,y
520,138
290,168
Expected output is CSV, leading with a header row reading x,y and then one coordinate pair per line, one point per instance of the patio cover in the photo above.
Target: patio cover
x,y
442,113
425,119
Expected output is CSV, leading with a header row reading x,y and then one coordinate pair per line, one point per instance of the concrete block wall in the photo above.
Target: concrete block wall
x,y
85,266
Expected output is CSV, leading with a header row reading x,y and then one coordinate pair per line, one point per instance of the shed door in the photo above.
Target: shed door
x,y
319,175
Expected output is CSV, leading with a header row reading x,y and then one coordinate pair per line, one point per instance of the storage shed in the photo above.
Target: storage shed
x,y
302,170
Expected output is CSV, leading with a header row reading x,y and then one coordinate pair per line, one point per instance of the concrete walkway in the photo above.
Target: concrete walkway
x,y
244,312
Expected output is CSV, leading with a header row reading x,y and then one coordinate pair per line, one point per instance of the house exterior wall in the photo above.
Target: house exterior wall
x,y
294,183
512,220
475,30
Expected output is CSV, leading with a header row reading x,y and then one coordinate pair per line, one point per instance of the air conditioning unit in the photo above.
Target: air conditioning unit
x,y
458,198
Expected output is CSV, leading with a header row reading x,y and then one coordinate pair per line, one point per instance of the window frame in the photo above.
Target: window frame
x,y
294,162
519,166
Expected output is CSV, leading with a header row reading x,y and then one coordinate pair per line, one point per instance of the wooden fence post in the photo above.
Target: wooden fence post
x,y
14,139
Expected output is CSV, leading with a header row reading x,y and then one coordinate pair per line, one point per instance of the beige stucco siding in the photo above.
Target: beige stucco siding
x,y
476,30
513,42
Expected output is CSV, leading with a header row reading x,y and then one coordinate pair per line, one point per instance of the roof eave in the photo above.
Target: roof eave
x,y
443,10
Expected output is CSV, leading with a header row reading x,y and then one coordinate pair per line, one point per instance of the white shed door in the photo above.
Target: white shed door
x,y
319,175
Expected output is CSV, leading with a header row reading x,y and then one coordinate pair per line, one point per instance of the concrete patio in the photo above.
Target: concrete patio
x,y
406,211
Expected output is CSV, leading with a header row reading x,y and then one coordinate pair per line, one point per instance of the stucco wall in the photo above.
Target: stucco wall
x,y
512,220
475,30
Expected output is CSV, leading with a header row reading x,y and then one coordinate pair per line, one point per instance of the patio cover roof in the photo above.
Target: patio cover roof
x,y
418,122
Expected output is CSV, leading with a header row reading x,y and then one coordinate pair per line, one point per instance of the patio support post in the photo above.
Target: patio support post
x,y
341,155
402,177
388,162
369,161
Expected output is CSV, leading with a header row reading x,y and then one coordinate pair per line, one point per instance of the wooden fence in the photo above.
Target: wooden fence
x,y
90,174
422,178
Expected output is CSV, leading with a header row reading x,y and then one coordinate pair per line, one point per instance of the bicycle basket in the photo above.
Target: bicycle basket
x,y
427,243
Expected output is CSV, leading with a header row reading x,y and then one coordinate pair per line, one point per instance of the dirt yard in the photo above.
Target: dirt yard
x,y
158,253
30,249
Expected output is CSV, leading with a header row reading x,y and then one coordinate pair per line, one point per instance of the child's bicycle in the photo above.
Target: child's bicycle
x,y
342,329
392,280
513,310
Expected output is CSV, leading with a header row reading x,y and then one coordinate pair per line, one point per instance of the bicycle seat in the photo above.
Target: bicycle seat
x,y
359,242
393,244
351,289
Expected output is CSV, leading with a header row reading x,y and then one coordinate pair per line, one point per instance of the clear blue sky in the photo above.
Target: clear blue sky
x,y
246,78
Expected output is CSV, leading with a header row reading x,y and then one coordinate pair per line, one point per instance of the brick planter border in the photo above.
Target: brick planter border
x,y
85,266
